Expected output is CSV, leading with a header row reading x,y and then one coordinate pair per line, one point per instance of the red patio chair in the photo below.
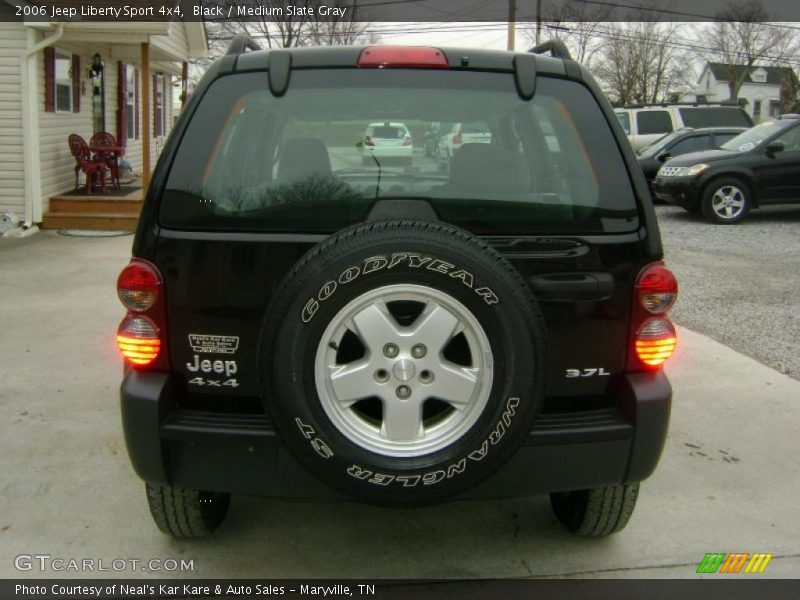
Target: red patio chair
x,y
103,138
84,162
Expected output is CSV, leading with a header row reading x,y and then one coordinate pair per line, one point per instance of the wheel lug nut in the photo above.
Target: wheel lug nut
x,y
418,351
403,391
391,350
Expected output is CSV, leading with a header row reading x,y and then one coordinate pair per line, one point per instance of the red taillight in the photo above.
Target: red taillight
x,y
657,288
458,138
137,285
141,337
653,337
368,141
387,57
407,141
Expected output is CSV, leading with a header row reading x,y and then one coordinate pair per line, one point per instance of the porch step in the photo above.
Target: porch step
x,y
92,205
108,221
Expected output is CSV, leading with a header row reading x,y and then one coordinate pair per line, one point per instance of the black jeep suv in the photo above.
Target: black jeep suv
x,y
303,325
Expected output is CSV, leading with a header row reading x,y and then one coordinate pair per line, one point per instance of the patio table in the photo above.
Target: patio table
x,y
102,153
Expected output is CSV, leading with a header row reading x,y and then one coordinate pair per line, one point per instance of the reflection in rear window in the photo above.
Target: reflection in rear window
x,y
252,162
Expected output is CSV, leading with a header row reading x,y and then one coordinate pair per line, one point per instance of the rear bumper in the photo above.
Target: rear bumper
x,y
389,151
242,454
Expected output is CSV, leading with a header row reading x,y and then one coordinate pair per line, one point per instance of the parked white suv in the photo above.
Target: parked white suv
x,y
645,124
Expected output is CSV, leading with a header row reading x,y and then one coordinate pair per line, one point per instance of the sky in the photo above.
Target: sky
x,y
472,35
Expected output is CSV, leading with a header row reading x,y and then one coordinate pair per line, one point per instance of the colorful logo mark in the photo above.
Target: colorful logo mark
x,y
719,562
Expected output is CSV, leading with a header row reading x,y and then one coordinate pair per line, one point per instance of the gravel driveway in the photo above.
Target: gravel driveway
x,y
739,284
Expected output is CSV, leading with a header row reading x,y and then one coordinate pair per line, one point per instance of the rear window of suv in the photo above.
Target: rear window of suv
x,y
249,161
714,116
386,132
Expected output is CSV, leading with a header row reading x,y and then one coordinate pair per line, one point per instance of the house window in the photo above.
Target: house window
x,y
131,75
759,76
63,81
756,109
160,105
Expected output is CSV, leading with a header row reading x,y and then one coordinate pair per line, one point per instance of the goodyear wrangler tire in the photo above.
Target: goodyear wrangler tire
x,y
403,361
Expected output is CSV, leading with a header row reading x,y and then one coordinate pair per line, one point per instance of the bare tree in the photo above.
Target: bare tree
x,y
578,24
788,94
273,25
351,29
267,21
741,38
638,61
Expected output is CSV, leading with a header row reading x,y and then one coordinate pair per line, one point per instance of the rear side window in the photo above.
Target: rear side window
x,y
721,138
252,162
715,116
625,120
691,144
653,121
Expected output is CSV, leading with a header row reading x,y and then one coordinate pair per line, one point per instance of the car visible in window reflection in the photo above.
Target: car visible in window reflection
x,y
459,134
758,167
683,141
387,140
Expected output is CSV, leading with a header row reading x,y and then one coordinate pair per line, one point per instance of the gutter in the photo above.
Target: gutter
x,y
30,125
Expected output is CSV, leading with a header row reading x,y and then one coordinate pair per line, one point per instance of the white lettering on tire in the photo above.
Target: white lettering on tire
x,y
378,263
308,432
456,468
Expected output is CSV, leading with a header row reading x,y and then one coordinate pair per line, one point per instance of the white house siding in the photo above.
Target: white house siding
x,y
133,151
174,44
765,93
57,163
12,175
717,91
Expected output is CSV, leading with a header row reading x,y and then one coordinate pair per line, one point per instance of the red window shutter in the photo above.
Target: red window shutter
x,y
50,79
76,83
122,104
156,112
136,104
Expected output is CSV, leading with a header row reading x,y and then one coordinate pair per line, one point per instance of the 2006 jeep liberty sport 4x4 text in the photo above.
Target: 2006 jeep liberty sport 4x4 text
x,y
305,322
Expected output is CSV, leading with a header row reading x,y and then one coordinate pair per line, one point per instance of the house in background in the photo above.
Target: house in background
x,y
60,78
760,93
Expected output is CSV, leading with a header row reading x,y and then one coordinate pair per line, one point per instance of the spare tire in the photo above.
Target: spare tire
x,y
403,361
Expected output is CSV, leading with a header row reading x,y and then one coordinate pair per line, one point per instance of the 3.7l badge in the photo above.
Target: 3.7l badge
x,y
598,372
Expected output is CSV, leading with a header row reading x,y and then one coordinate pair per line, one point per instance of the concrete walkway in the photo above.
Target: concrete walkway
x,y
729,480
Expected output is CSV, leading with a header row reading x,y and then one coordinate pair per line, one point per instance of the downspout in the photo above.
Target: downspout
x,y
30,125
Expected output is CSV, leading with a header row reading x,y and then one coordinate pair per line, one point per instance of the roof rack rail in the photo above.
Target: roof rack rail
x,y
555,47
241,43
695,104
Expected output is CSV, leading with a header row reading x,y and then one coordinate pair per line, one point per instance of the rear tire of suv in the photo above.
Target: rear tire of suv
x,y
597,512
726,201
186,513
404,361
